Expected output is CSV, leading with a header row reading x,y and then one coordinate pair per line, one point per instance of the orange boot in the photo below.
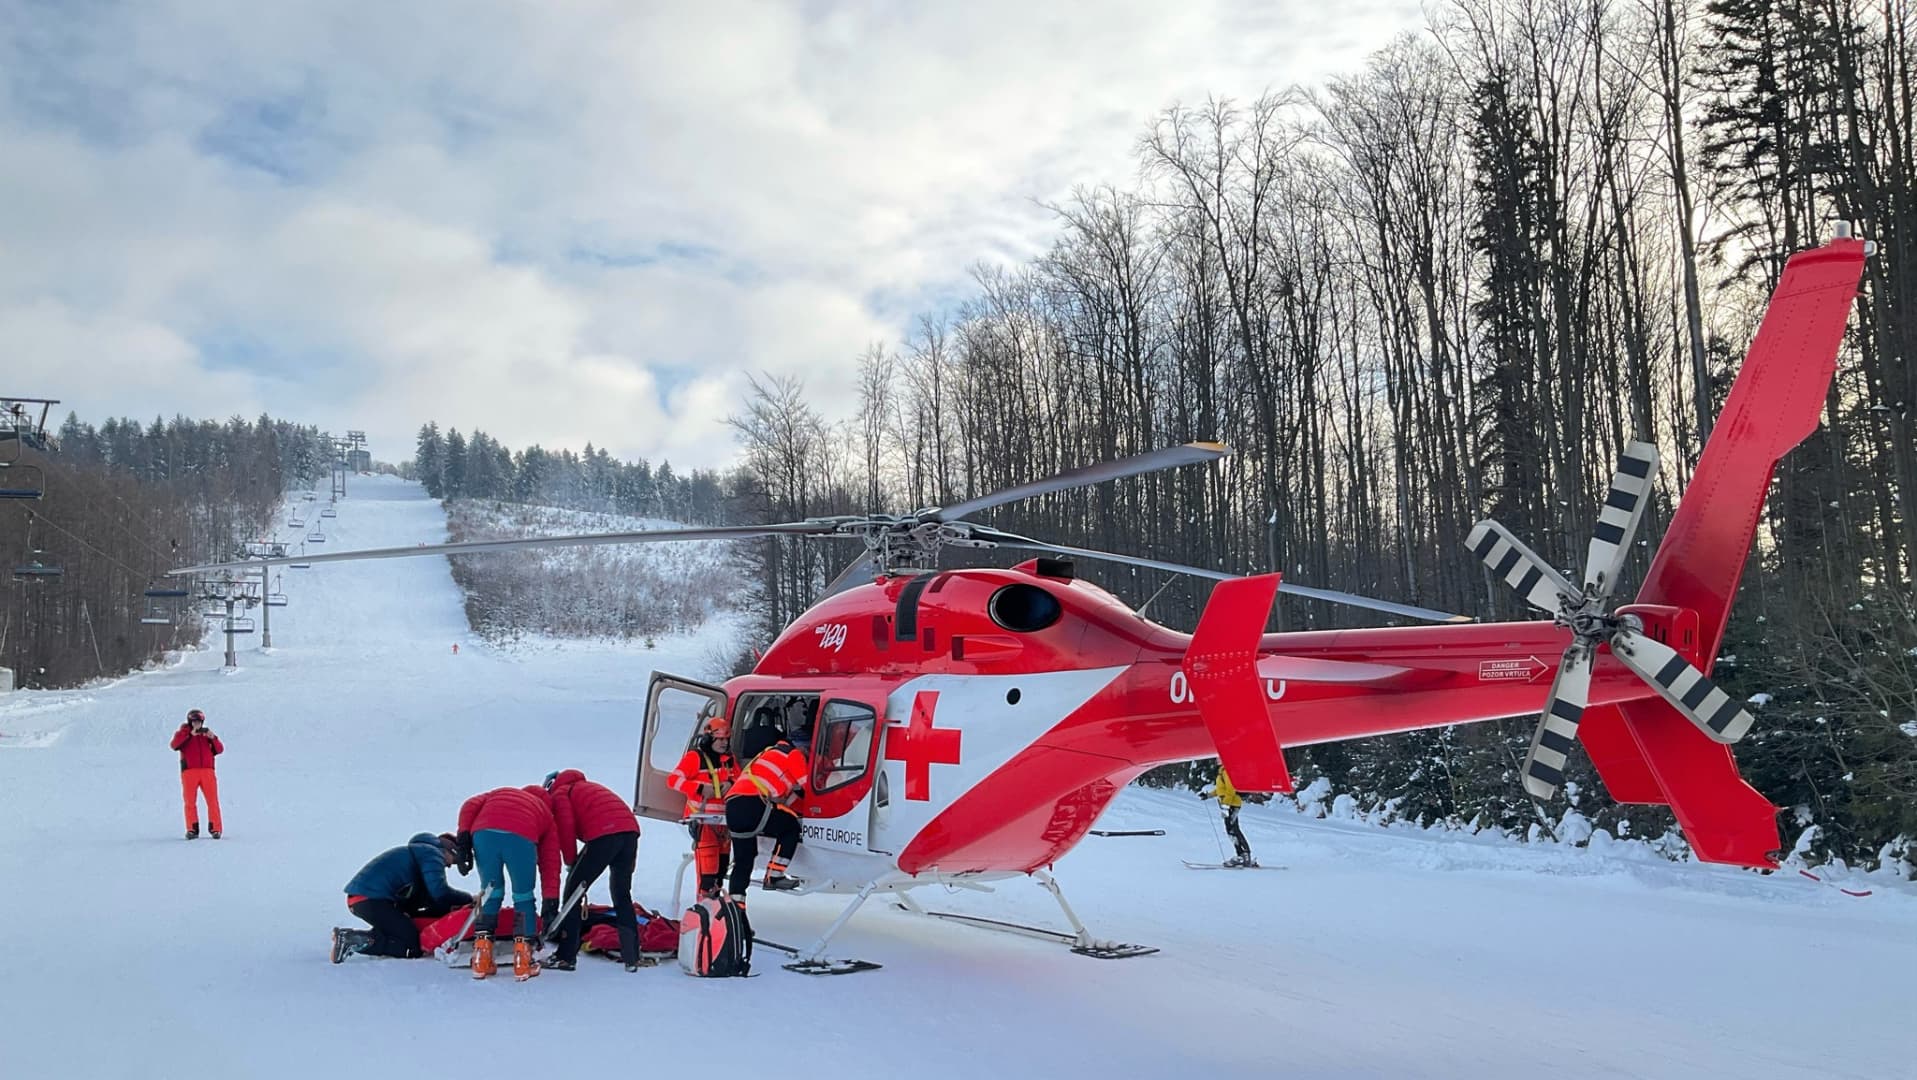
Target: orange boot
x,y
524,966
483,965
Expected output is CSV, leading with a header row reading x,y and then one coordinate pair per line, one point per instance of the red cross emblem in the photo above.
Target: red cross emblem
x,y
921,746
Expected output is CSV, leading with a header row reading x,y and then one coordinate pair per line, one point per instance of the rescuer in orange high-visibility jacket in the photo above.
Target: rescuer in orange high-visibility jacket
x,y
762,800
702,777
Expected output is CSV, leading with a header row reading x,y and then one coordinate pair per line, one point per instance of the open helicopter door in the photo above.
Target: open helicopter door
x,y
673,707
842,801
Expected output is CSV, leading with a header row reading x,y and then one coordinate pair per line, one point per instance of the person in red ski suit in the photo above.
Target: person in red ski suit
x,y
593,813
198,747
504,830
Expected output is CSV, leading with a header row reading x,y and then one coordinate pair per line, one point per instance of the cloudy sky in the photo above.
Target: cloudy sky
x,y
559,222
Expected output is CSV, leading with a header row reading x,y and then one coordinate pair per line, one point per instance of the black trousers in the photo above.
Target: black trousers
x,y
617,852
748,817
394,933
1237,834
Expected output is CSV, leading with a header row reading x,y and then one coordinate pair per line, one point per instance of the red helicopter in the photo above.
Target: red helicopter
x,y
970,725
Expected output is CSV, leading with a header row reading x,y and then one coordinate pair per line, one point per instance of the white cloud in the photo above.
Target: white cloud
x,y
558,222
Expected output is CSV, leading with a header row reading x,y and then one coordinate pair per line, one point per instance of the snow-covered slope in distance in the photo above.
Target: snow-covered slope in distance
x,y
1377,953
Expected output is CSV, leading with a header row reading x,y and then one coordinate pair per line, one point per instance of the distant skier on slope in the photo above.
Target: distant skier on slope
x,y
596,815
507,829
397,886
198,747
703,775
1229,799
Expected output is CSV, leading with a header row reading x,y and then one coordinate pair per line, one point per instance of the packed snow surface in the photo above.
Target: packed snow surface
x,y
1375,953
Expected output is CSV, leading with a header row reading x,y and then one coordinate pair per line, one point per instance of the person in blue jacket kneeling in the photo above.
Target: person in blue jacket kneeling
x,y
399,885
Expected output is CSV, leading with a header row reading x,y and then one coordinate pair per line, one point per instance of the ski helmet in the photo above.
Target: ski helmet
x,y
551,779
194,715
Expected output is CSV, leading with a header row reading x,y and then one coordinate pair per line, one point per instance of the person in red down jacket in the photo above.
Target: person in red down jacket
x,y
198,747
504,830
593,813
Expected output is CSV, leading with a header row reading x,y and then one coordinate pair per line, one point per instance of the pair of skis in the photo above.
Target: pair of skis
x,y
1228,866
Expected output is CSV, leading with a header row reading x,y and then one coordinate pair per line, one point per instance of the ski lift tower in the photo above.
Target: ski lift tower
x,y
357,459
264,549
340,447
219,596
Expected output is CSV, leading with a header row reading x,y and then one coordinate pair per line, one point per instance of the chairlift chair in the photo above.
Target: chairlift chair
x,y
276,599
316,537
296,522
20,481
329,512
239,624
167,594
36,571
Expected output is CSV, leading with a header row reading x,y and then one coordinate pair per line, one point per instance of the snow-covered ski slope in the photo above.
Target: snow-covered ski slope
x,y
130,952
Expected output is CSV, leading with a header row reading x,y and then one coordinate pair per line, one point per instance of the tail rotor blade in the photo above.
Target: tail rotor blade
x,y
1521,568
1690,691
1617,522
1558,727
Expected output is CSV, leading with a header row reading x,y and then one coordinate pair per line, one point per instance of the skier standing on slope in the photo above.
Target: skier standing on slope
x,y
397,886
761,800
702,777
505,830
593,813
198,747
1231,801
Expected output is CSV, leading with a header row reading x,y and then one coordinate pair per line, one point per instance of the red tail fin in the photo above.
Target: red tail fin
x,y
1221,667
1647,747
1773,405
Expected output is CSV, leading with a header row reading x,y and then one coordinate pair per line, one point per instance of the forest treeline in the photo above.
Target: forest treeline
x,y
1451,285
122,503
455,466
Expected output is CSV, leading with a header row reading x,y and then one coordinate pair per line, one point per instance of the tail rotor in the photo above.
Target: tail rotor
x,y
1585,612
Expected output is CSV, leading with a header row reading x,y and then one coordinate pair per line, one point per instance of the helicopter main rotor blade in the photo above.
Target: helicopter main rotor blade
x,y
1191,453
1332,596
480,547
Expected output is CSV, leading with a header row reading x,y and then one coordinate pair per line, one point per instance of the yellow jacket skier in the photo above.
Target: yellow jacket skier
x,y
1231,801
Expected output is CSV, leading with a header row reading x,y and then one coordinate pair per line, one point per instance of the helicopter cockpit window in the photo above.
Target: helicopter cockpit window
x,y
843,748
763,719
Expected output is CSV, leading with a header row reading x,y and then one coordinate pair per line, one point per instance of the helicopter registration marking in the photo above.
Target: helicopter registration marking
x,y
831,635
1181,689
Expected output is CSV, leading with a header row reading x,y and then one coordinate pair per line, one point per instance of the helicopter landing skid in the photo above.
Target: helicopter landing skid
x,y
1082,942
821,966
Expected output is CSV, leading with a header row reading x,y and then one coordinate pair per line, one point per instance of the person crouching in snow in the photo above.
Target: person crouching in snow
x,y
198,747
1231,802
593,813
506,830
397,886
